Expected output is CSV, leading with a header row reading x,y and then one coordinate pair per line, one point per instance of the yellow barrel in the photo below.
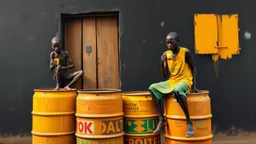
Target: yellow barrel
x,y
53,116
99,117
140,118
199,106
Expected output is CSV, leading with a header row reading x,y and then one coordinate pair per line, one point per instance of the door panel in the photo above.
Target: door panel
x,y
73,43
93,45
107,52
89,59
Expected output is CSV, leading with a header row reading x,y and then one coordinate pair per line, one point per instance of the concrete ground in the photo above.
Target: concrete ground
x,y
218,139
223,139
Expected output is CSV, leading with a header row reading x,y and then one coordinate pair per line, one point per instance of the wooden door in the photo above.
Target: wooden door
x,y
99,51
107,53
89,53
73,41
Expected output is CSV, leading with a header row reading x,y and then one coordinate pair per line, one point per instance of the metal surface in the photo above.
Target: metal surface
x,y
99,116
140,118
27,27
199,106
53,116
88,49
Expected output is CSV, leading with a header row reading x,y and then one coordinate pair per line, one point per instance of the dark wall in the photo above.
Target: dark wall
x,y
27,27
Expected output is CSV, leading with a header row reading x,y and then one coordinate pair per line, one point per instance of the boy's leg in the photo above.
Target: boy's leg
x,y
180,95
156,98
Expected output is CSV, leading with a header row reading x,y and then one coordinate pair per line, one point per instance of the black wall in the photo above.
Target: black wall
x,y
27,26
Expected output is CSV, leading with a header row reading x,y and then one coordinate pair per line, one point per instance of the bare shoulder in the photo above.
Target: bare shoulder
x,y
52,54
66,52
187,50
188,53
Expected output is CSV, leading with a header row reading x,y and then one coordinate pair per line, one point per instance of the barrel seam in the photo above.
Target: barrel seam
x,y
191,117
98,116
99,136
140,135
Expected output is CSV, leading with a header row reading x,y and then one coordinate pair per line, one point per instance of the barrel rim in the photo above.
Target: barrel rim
x,y
199,92
98,91
136,93
52,90
45,134
130,116
202,138
143,93
96,116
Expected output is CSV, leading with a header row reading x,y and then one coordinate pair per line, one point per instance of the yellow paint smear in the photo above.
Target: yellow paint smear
x,y
215,57
205,33
228,36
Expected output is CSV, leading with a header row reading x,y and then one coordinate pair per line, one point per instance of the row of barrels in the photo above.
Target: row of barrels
x,y
108,116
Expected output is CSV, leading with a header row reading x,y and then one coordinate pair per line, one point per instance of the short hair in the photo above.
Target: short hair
x,y
55,40
173,34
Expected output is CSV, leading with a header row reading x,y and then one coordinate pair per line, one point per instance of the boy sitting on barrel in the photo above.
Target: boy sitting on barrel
x,y
182,79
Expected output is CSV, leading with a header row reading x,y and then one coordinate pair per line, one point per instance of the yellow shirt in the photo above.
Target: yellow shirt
x,y
179,69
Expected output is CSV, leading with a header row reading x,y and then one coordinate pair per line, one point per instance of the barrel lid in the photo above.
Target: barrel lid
x,y
98,91
199,92
136,93
52,90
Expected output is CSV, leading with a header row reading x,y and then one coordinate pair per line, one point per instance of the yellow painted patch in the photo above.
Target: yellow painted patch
x,y
206,35
216,35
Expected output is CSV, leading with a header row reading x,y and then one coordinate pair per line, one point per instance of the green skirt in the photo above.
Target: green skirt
x,y
161,89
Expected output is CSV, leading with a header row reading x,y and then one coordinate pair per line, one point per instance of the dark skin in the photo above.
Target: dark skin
x,y
172,42
60,70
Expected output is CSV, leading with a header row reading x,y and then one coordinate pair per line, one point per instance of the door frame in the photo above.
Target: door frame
x,y
68,16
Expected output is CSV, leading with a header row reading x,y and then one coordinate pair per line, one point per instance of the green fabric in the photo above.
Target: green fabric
x,y
161,89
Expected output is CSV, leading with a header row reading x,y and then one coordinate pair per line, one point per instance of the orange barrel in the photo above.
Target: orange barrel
x,y
53,116
140,118
99,117
199,106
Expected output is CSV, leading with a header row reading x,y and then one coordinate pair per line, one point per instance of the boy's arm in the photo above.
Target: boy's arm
x,y
164,66
190,62
52,62
71,64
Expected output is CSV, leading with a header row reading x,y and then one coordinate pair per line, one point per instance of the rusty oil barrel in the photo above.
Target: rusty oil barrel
x,y
99,117
140,118
199,106
53,116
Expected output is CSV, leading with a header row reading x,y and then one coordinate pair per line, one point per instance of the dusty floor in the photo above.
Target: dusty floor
x,y
218,139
